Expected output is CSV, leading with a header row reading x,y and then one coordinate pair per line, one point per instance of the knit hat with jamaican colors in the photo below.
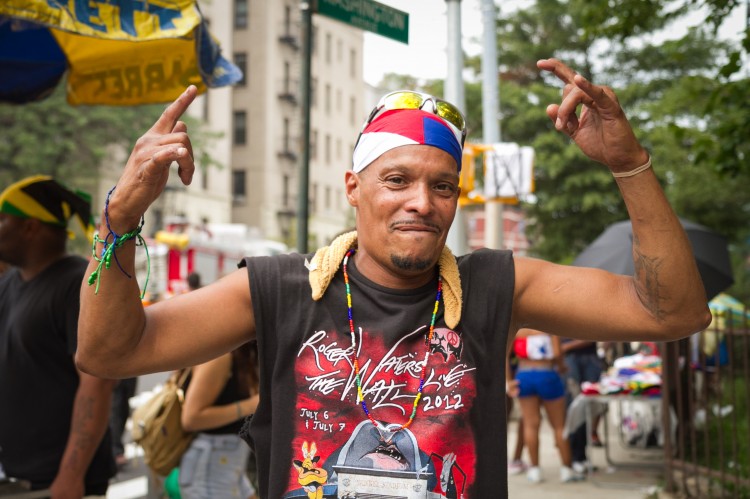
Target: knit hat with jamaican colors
x,y
43,198
401,127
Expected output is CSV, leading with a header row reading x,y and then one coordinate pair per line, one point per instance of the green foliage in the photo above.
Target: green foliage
x,y
730,129
51,137
723,444
685,98
678,94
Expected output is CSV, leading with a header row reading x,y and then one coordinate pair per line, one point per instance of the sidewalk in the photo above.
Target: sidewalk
x,y
606,481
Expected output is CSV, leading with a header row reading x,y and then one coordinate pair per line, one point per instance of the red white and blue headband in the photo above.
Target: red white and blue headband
x,y
401,127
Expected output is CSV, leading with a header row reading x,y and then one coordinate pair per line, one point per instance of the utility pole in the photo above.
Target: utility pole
x,y
493,209
454,93
306,9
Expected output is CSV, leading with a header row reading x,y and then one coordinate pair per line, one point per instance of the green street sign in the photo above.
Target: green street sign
x,y
368,15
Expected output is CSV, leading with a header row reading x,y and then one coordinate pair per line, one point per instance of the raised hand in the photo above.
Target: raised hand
x,y
147,169
601,131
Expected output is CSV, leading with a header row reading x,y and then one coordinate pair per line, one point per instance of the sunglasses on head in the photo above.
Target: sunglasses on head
x,y
407,99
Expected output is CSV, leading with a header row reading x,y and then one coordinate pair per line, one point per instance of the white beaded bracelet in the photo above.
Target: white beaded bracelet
x,y
634,171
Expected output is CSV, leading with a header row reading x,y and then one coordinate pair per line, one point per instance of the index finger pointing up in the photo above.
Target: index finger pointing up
x,y
563,72
174,111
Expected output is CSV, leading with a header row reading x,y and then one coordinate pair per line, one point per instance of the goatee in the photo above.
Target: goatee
x,y
405,263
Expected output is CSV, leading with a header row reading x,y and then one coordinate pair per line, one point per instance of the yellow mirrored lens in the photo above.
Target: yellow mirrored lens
x,y
449,113
403,100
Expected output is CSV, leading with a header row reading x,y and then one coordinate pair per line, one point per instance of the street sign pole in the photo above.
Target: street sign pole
x,y
494,220
303,194
454,92
365,14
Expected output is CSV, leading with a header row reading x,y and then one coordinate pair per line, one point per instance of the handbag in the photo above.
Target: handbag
x,y
157,428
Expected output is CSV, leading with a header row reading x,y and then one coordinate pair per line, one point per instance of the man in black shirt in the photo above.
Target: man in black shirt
x,y
386,325
53,422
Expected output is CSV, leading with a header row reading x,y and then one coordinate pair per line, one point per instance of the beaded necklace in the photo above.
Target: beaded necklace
x,y
428,340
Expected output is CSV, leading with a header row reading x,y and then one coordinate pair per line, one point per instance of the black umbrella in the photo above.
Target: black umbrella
x,y
613,251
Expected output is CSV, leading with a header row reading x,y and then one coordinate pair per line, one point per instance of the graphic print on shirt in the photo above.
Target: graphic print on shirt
x,y
337,450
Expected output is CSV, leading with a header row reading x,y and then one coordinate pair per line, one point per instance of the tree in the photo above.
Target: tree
x,y
682,108
701,123
664,86
69,143
728,149
53,138
50,137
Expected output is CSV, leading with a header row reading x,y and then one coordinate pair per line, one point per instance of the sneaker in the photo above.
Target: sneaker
x,y
583,467
568,475
516,467
534,474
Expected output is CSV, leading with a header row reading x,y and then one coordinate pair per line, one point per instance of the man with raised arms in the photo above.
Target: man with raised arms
x,y
382,355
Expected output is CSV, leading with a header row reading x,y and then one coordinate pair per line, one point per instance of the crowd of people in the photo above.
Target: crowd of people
x,y
381,355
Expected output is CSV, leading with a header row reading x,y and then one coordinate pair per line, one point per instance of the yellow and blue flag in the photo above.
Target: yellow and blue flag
x,y
116,52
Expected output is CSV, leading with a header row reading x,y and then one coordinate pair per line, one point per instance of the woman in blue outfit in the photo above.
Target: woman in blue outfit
x,y
220,394
539,383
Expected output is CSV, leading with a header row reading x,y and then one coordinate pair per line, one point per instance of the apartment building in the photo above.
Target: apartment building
x,y
260,120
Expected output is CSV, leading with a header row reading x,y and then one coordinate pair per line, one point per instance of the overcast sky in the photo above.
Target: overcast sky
x,y
425,55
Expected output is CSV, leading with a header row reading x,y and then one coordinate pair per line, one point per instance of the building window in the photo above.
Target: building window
x,y
328,48
288,93
240,14
287,20
286,134
285,192
314,144
313,92
338,149
328,198
328,150
314,40
313,199
240,60
204,179
338,101
327,98
352,110
239,190
239,127
353,63
339,50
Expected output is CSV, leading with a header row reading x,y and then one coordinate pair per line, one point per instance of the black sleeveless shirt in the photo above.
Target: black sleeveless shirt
x,y
309,430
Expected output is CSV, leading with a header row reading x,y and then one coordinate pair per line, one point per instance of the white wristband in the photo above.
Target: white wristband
x,y
634,171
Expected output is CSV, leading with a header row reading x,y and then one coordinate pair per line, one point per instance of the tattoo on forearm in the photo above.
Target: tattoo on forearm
x,y
81,430
647,280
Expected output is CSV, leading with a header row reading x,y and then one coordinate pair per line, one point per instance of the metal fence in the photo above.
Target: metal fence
x,y
706,413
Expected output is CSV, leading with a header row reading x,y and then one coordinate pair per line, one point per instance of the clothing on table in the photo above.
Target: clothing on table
x,y
214,465
38,376
309,429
